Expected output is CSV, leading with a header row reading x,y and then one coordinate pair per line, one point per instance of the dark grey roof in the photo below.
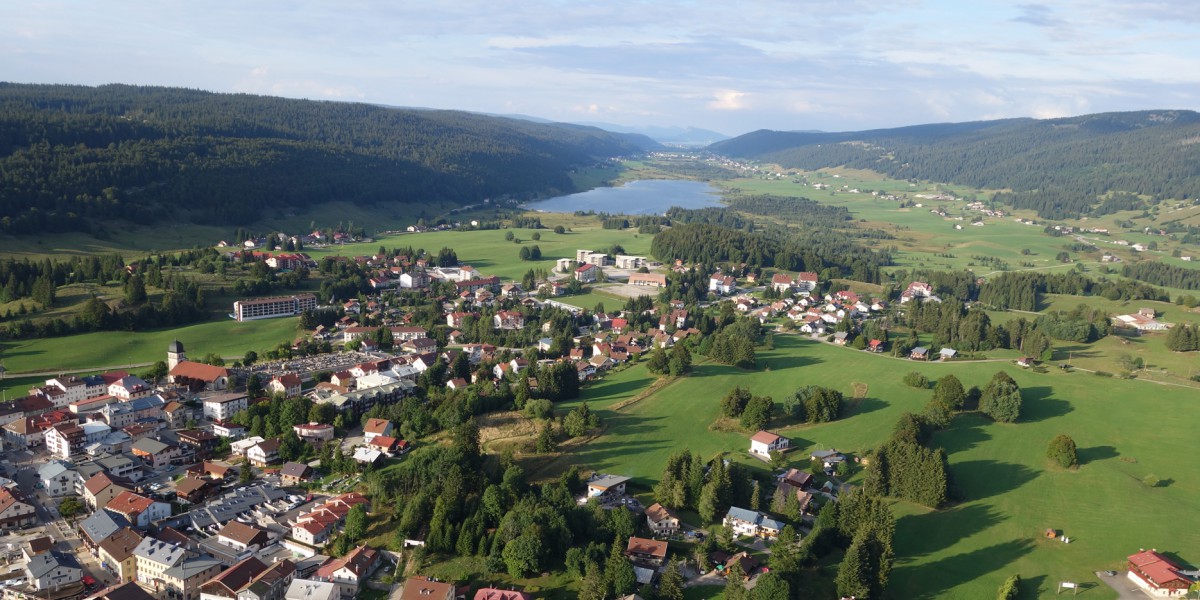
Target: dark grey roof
x,y
175,346
150,446
102,524
191,567
49,561
239,502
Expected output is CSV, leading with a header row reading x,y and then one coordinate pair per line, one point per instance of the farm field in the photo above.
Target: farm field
x,y
1011,494
225,337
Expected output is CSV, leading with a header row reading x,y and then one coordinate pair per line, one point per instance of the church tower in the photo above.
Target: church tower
x,y
175,354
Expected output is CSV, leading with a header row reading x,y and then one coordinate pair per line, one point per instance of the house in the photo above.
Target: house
x,y
177,414
722,284
367,456
946,353
293,473
829,458
243,536
376,427
840,338
156,454
644,552
15,511
918,353
424,588
495,594
198,376
1026,361
751,523
287,384
606,486
125,591
918,290
183,581
65,440
52,570
98,527
308,589
129,387
196,489
228,429
56,478
806,281
661,520
1157,575
222,407
250,579
797,479
588,273
875,346
116,553
764,443
657,280
140,511
1141,322
202,443
508,320
352,570
263,453
100,489
782,283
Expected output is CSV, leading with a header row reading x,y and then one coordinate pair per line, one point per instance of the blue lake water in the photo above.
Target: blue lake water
x,y
644,197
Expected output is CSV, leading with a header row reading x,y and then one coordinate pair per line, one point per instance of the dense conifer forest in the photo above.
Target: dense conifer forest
x,y
71,156
1059,167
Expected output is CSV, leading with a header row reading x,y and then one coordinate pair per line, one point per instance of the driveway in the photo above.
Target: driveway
x,y
1125,589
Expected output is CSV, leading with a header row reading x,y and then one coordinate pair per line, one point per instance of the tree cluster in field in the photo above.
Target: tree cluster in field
x,y
530,253
814,404
863,525
1025,290
709,487
793,209
74,156
674,362
1183,337
905,467
1077,165
754,412
810,250
1161,273
733,341
968,329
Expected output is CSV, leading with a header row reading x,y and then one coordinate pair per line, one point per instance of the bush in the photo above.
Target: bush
x,y
1010,589
916,380
1151,480
1062,451
1001,399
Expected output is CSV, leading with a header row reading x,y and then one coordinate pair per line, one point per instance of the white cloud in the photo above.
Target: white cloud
x,y
728,100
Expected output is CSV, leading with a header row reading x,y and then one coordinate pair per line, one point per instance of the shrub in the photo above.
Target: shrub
x,y
1010,589
915,379
1062,451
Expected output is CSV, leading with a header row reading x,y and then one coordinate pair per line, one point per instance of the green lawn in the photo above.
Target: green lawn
x,y
225,337
1125,430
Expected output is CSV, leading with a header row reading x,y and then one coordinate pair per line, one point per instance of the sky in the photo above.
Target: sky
x,y
733,67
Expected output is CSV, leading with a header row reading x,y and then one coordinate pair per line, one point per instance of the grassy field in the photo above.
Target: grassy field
x,y
114,348
488,251
1011,494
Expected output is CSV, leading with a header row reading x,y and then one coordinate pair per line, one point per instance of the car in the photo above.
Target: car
x,y
1111,573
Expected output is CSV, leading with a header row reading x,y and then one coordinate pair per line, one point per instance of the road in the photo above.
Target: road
x,y
65,536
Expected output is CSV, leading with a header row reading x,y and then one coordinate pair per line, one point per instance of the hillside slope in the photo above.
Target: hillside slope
x,y
1062,168
71,156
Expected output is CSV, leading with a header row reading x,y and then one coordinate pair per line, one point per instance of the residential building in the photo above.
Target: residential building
x,y
588,273
250,579
309,589
918,290
351,571
157,454
100,489
183,581
376,427
125,591
152,558
661,520
65,440
228,429
52,570
200,442
264,453
222,407
98,527
287,384
646,553
293,473
15,511
239,503
129,387
751,523
606,486
280,306
243,537
764,443
722,284
177,414
140,511
116,553
196,489
508,320
424,588
56,478
495,594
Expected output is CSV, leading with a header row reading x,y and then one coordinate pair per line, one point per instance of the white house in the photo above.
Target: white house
x,y
764,443
52,570
56,478
223,406
751,523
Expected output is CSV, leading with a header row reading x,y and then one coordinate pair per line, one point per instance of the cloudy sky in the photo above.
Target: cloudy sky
x,y
723,65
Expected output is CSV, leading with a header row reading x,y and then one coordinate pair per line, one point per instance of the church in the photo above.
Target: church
x,y
193,375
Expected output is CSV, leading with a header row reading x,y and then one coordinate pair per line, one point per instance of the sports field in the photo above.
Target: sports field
x,y
1125,430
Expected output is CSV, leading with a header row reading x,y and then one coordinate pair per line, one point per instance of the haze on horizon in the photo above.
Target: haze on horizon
x,y
731,67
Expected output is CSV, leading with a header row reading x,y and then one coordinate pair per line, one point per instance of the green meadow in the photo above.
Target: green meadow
x,y
1126,430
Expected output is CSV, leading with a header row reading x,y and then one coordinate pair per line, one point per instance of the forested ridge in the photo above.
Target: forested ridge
x,y
72,155
1059,167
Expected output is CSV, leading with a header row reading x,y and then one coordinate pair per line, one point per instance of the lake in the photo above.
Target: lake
x,y
642,197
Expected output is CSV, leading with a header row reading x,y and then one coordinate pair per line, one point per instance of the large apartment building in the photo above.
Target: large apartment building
x,y
278,306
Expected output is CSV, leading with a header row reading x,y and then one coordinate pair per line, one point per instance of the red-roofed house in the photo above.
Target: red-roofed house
x,y
287,384
350,571
376,427
423,588
587,273
1157,575
764,443
495,594
139,510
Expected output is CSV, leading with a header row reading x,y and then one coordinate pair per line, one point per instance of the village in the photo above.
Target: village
x,y
166,488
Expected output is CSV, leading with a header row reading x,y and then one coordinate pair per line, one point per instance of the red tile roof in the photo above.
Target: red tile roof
x,y
199,371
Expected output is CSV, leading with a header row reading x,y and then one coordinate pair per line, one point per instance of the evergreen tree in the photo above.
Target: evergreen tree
x,y
1063,452
618,572
1001,399
950,392
670,586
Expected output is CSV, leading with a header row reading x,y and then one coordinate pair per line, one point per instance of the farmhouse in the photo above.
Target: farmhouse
x,y
646,552
752,523
1143,320
764,443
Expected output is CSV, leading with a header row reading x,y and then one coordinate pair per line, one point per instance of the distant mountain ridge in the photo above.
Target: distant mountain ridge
x,y
71,156
666,135
1068,167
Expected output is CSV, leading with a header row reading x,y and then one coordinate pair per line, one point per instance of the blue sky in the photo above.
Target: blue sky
x,y
729,66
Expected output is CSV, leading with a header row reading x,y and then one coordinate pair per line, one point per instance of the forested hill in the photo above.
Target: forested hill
x,y
74,156
1060,167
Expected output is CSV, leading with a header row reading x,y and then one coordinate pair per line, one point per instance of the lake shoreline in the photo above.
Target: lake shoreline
x,y
637,197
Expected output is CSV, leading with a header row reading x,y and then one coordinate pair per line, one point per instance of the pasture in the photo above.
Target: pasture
x,y
1125,430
